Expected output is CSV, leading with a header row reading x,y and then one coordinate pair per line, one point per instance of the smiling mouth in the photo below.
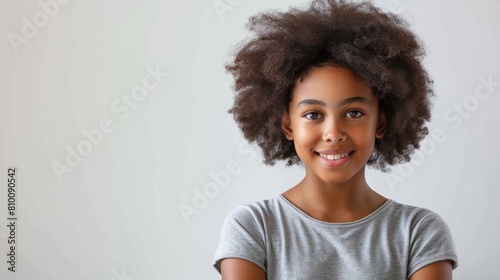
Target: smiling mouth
x,y
333,156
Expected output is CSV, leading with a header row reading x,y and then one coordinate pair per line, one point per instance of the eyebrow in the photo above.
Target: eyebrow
x,y
341,103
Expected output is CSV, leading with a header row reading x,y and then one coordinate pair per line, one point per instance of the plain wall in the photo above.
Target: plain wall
x,y
75,67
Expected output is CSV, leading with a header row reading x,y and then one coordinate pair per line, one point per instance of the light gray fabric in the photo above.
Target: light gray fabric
x,y
391,243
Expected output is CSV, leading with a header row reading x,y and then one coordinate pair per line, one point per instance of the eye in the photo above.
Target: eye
x,y
312,115
354,114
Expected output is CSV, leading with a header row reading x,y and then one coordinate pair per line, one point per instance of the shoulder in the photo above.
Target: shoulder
x,y
244,233
429,236
257,214
257,210
421,224
255,222
412,217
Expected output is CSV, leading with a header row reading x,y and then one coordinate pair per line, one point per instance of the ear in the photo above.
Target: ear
x,y
286,126
381,122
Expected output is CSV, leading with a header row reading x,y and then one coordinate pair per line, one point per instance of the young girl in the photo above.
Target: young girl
x,y
334,88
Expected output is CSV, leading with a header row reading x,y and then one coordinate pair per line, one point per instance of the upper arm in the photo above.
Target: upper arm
x,y
240,269
242,237
431,242
435,271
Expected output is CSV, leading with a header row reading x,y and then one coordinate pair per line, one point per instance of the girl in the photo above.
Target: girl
x,y
334,88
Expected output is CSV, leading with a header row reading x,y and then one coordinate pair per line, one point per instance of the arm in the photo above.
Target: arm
x,y
241,254
435,271
239,269
432,244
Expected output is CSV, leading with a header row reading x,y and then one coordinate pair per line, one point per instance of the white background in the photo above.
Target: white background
x,y
117,215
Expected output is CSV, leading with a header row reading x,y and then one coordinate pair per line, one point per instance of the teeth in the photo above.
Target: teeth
x,y
334,157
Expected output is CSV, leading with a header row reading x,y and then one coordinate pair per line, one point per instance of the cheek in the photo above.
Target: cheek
x,y
364,136
305,138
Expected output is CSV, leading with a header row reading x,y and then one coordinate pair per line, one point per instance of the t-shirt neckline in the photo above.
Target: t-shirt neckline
x,y
363,220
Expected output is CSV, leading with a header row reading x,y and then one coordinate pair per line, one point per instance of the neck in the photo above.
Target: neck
x,y
349,201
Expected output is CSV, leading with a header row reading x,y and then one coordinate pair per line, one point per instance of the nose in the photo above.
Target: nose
x,y
333,131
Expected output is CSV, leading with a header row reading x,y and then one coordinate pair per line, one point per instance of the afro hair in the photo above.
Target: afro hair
x,y
377,47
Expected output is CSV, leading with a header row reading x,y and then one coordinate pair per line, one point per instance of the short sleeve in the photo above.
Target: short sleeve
x,y
431,241
241,237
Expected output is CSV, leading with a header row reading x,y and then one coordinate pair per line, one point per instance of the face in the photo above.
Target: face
x,y
333,120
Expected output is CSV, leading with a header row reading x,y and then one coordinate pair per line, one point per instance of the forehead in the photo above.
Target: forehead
x,y
331,83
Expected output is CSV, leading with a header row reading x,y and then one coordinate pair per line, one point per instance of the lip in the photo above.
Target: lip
x,y
334,163
334,152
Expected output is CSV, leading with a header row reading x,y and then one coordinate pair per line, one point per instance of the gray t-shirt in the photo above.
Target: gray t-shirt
x,y
391,243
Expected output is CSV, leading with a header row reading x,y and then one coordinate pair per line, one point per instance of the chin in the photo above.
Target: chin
x,y
340,177
335,180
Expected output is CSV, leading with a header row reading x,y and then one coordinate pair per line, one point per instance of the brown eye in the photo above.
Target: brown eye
x,y
354,114
312,116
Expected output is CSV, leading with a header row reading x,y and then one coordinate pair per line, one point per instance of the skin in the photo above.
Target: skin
x,y
435,271
332,112
328,105
239,269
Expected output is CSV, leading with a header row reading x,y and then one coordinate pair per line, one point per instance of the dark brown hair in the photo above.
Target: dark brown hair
x,y
378,47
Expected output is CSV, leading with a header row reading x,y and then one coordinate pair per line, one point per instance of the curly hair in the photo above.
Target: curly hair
x,y
377,47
